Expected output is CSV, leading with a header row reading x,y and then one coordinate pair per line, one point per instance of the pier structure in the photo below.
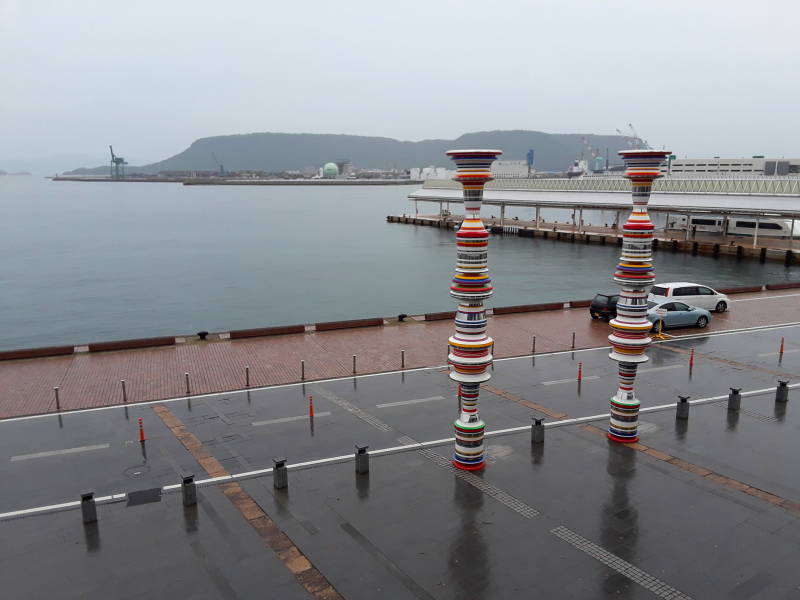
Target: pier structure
x,y
673,207
630,328
470,352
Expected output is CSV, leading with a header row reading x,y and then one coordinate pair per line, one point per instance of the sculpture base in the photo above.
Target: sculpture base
x,y
468,451
621,440
468,467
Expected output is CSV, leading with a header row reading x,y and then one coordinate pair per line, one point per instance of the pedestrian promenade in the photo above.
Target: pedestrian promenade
x,y
93,379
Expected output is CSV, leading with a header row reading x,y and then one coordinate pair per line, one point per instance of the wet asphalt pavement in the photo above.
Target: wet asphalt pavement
x,y
576,518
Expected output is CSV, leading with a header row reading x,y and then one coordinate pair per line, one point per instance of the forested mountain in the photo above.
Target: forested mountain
x,y
286,151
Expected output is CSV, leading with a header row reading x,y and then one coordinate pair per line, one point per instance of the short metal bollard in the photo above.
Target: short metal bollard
x,y
58,401
537,431
354,364
573,340
302,370
88,508
124,391
782,391
682,409
188,489
188,391
247,376
280,476
362,459
402,359
533,345
734,399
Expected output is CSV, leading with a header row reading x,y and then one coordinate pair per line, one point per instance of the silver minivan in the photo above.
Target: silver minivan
x,y
692,294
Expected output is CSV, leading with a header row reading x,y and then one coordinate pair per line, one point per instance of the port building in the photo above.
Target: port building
x,y
754,166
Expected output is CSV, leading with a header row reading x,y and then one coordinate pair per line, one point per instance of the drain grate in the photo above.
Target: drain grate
x,y
759,416
623,567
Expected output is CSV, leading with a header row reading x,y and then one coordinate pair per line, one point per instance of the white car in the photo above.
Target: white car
x,y
692,294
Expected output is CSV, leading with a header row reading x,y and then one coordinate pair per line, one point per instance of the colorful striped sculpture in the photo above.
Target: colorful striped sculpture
x,y
470,348
630,329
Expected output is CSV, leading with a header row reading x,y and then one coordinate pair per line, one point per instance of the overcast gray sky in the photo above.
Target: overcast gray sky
x,y
706,77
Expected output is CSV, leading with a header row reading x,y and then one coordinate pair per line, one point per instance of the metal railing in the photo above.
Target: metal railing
x,y
764,186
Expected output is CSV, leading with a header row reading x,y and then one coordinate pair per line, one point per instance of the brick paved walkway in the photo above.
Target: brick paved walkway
x,y
93,379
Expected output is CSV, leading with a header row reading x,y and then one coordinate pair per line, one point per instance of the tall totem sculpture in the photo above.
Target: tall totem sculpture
x,y
630,329
470,348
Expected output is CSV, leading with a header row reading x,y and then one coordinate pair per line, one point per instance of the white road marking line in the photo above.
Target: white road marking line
x,y
765,298
404,402
612,561
668,367
59,452
570,380
777,353
391,450
384,373
289,419
690,336
63,506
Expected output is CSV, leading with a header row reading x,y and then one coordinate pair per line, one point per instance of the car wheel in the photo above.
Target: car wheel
x,y
721,306
594,316
658,325
702,322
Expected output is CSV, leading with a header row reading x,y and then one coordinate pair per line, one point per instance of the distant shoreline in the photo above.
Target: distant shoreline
x,y
220,181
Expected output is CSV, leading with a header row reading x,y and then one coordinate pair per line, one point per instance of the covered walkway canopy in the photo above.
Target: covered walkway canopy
x,y
756,207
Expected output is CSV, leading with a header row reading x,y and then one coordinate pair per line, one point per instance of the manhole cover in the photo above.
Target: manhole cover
x,y
137,471
645,427
495,452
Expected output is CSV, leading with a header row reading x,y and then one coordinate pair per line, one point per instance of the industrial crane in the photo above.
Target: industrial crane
x,y
633,139
117,164
643,143
593,152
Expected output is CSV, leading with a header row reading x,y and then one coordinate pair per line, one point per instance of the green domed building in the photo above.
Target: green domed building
x,y
330,171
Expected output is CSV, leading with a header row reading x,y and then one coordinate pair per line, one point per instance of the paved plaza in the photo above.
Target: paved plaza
x,y
704,508
93,379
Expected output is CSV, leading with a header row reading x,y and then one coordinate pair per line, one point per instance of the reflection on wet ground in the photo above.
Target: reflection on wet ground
x,y
702,508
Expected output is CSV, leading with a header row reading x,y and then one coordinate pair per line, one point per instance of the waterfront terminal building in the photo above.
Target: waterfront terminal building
x,y
755,166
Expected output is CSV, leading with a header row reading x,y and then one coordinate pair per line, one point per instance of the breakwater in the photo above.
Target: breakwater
x,y
239,182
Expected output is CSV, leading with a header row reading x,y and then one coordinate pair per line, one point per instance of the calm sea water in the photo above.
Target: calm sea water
x,y
85,262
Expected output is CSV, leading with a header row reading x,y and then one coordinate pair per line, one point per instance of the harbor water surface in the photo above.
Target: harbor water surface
x,y
85,262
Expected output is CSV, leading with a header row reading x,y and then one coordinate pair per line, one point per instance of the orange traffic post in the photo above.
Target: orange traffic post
x,y
781,350
310,405
141,430
580,371
691,359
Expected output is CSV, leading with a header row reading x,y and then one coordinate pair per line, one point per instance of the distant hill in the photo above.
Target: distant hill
x,y
286,151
